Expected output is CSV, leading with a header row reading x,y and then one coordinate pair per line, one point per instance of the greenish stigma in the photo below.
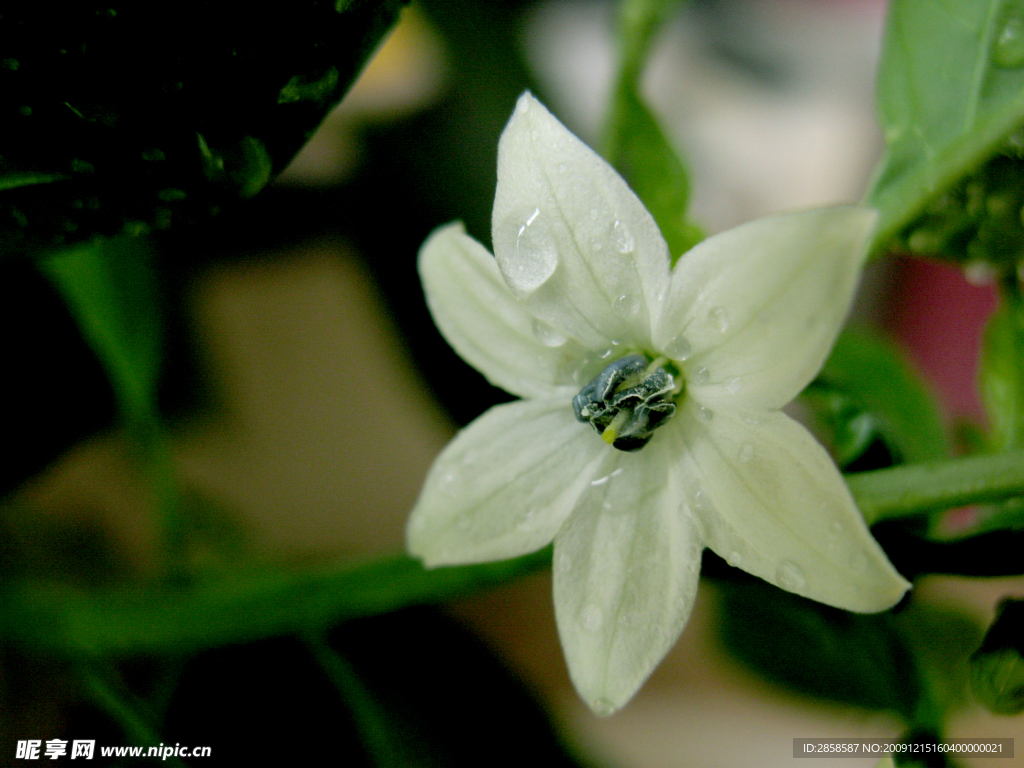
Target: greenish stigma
x,y
628,400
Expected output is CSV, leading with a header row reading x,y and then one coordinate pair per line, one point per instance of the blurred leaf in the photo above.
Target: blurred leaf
x,y
112,291
236,608
134,131
997,669
871,371
820,651
950,92
1002,374
634,142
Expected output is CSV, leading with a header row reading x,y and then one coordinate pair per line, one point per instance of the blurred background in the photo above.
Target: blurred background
x,y
308,393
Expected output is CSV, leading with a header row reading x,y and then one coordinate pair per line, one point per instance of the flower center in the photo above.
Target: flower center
x,y
628,400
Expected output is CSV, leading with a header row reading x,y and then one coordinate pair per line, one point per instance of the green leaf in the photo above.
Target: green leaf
x,y
873,372
950,92
237,608
634,142
827,653
112,291
1002,374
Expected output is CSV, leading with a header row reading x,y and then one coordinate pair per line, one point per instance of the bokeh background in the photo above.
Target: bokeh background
x,y
308,393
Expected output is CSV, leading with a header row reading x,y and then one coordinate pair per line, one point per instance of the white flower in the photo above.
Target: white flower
x,y
744,321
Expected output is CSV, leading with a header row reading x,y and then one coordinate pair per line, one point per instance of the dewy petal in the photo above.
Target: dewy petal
x,y
760,306
773,503
570,237
489,328
505,484
626,566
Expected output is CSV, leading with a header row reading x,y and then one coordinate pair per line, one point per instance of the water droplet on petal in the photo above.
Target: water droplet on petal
x,y
734,385
1008,50
701,502
678,348
790,576
627,305
705,414
703,376
591,618
720,318
734,558
547,335
603,707
605,354
622,238
532,256
746,453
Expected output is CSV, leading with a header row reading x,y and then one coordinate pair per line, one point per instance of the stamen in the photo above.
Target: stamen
x,y
628,400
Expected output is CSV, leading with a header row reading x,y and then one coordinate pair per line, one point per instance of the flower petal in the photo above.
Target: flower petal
x,y
626,566
760,306
505,484
489,328
773,503
570,237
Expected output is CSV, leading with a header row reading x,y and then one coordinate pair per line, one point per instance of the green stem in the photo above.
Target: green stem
x,y
128,714
912,489
638,21
375,728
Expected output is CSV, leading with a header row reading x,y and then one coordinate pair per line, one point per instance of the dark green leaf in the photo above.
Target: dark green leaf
x,y
871,371
147,116
950,92
844,657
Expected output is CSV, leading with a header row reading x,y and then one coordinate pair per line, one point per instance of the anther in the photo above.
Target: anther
x,y
628,400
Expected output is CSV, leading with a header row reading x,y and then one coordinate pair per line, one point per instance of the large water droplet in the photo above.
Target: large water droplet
x,y
627,305
603,707
719,318
1008,50
746,453
547,335
622,239
734,558
678,348
703,376
705,414
733,385
790,576
532,255
591,618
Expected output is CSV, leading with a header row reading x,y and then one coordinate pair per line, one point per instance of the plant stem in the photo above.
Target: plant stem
x,y
912,489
